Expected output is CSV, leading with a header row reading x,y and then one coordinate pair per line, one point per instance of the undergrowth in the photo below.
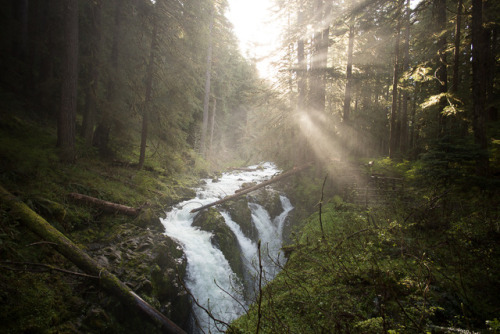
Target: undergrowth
x,y
428,261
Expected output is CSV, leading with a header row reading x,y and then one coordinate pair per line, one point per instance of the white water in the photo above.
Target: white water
x,y
207,266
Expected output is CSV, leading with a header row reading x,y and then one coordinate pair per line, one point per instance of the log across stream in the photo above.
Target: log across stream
x,y
211,280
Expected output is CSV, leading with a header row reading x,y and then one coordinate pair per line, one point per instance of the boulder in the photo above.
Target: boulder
x,y
223,238
151,264
269,199
241,214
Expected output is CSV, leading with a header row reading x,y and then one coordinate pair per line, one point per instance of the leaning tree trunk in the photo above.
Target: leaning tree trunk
x,y
256,187
82,260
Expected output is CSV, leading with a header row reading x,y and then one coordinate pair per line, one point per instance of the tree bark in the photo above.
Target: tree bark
x,y
147,97
105,205
103,129
479,86
403,145
456,55
319,59
94,51
67,113
302,68
208,74
393,135
83,261
248,190
348,84
212,125
442,72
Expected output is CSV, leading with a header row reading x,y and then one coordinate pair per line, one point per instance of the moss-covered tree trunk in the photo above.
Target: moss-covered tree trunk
x,y
82,260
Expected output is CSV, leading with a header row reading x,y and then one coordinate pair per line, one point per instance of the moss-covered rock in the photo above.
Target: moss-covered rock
x,y
269,199
148,218
223,238
151,264
241,214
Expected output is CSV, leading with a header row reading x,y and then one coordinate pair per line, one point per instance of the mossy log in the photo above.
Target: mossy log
x,y
82,260
250,189
105,205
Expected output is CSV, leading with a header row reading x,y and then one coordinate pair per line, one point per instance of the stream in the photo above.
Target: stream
x,y
209,276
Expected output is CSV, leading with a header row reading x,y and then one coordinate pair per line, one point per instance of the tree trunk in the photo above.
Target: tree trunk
x,y
82,260
442,73
212,125
208,74
348,84
250,189
103,129
403,145
319,59
456,55
20,34
479,74
302,69
94,63
67,113
393,135
147,97
105,205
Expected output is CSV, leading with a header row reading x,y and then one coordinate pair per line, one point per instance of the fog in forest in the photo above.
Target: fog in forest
x,y
284,166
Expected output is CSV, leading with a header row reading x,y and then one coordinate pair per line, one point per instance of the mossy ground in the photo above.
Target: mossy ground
x,y
418,263
37,299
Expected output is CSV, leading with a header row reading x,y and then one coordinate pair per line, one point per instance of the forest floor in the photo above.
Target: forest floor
x,y
36,295
421,259
428,261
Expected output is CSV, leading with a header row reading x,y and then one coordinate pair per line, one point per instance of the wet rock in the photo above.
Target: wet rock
x,y
223,238
148,218
183,194
151,264
241,214
269,199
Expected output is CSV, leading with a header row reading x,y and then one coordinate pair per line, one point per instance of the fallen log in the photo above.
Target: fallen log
x,y
250,189
243,169
84,262
105,205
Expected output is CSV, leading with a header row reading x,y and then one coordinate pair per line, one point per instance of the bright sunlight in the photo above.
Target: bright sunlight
x,y
257,32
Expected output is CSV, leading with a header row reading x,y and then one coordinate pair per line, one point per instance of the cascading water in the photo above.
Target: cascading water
x,y
209,276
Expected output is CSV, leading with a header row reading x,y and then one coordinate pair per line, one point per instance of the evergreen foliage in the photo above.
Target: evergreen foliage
x,y
356,81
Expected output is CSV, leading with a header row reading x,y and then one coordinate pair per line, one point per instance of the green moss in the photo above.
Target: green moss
x,y
241,214
33,302
223,238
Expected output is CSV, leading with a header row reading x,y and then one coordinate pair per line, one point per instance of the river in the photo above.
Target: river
x,y
209,276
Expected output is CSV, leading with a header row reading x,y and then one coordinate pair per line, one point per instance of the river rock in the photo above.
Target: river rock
x,y
223,238
269,199
149,262
241,214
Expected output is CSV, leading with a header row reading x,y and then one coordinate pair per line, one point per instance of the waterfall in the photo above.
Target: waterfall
x,y
209,277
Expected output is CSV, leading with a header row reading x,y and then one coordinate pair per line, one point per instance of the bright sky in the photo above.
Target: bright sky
x,y
254,28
